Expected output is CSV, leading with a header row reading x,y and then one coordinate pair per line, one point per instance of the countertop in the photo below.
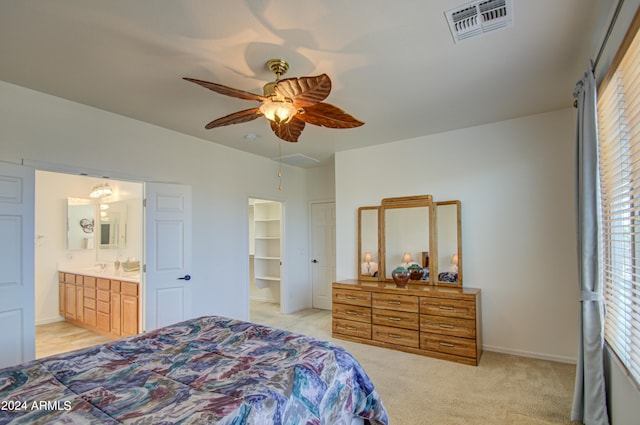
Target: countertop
x,y
109,273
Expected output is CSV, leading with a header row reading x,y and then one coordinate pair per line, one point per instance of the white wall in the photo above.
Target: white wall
x,y
43,128
515,182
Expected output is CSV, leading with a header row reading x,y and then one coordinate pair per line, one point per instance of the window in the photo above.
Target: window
x,y
619,162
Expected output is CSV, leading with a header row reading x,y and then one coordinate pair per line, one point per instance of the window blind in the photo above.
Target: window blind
x,y
619,166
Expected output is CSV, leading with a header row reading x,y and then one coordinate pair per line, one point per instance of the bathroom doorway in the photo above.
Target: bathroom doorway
x,y
75,232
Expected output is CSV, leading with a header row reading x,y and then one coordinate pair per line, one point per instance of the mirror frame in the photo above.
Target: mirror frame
x,y
459,244
407,202
359,254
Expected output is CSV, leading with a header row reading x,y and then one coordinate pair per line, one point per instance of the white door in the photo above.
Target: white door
x,y
17,322
323,252
167,282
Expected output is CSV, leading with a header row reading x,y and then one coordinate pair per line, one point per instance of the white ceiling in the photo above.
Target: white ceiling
x,y
393,64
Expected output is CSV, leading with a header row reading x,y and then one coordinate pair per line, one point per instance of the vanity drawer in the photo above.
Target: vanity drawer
x,y
103,284
103,307
90,293
452,326
408,303
103,296
89,303
89,282
464,309
397,319
69,278
61,277
352,312
89,317
129,288
448,344
344,296
115,286
351,328
396,336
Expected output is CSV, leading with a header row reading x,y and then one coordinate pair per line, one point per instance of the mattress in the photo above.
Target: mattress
x,y
209,370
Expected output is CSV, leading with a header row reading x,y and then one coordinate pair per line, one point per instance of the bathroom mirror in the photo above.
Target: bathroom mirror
x,y
406,234
80,223
112,225
449,243
368,243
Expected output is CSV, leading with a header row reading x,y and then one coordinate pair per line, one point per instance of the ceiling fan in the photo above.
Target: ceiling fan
x,y
288,104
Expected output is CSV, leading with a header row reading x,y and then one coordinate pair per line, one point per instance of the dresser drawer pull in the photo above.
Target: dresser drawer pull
x,y
351,297
393,302
395,336
351,328
446,307
352,313
446,344
395,319
446,326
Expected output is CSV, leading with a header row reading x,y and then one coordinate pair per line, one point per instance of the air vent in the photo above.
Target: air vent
x,y
478,18
298,160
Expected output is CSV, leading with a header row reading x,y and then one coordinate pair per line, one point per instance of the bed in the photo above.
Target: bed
x,y
209,370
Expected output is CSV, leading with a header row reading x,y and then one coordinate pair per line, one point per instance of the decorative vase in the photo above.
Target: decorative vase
x,y
400,276
416,272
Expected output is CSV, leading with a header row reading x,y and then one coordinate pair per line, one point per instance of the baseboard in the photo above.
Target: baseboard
x,y
521,353
49,320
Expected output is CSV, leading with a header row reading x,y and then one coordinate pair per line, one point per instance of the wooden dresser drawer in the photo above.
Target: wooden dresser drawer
x,y
351,328
352,312
452,326
397,319
448,344
408,303
396,336
464,309
344,296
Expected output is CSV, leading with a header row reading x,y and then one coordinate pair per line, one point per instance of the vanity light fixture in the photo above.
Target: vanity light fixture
x,y
407,258
454,261
101,191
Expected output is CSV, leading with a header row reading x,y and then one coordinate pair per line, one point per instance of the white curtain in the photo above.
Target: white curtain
x,y
589,398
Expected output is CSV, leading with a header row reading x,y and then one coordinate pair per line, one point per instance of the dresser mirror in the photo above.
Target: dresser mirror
x,y
406,235
449,245
368,243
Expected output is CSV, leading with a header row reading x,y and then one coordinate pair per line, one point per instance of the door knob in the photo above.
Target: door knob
x,y
185,277
314,261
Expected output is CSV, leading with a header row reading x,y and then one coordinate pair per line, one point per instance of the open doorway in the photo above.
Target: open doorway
x,y
265,255
81,235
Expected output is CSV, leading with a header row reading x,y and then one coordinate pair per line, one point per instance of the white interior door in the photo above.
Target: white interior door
x,y
323,252
167,294
17,322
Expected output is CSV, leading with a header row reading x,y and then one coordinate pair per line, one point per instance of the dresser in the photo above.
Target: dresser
x,y
107,306
440,322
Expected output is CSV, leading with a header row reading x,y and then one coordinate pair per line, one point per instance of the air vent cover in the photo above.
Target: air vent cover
x,y
479,17
297,159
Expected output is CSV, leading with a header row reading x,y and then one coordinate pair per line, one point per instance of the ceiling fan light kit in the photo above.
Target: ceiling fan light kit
x,y
288,104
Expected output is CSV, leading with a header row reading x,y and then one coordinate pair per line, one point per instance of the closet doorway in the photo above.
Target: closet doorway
x,y
265,252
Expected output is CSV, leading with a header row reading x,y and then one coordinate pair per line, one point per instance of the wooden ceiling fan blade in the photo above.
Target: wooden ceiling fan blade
x,y
227,91
305,91
327,115
290,131
235,118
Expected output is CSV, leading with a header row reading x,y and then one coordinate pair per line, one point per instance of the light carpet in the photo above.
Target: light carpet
x,y
417,390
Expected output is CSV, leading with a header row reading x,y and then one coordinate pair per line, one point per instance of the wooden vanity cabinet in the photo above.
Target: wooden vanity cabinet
x,y
107,306
433,321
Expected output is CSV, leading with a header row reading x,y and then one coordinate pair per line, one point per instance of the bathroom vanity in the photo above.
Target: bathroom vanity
x,y
107,303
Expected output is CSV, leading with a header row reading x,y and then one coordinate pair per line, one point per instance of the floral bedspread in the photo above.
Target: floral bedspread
x,y
210,370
